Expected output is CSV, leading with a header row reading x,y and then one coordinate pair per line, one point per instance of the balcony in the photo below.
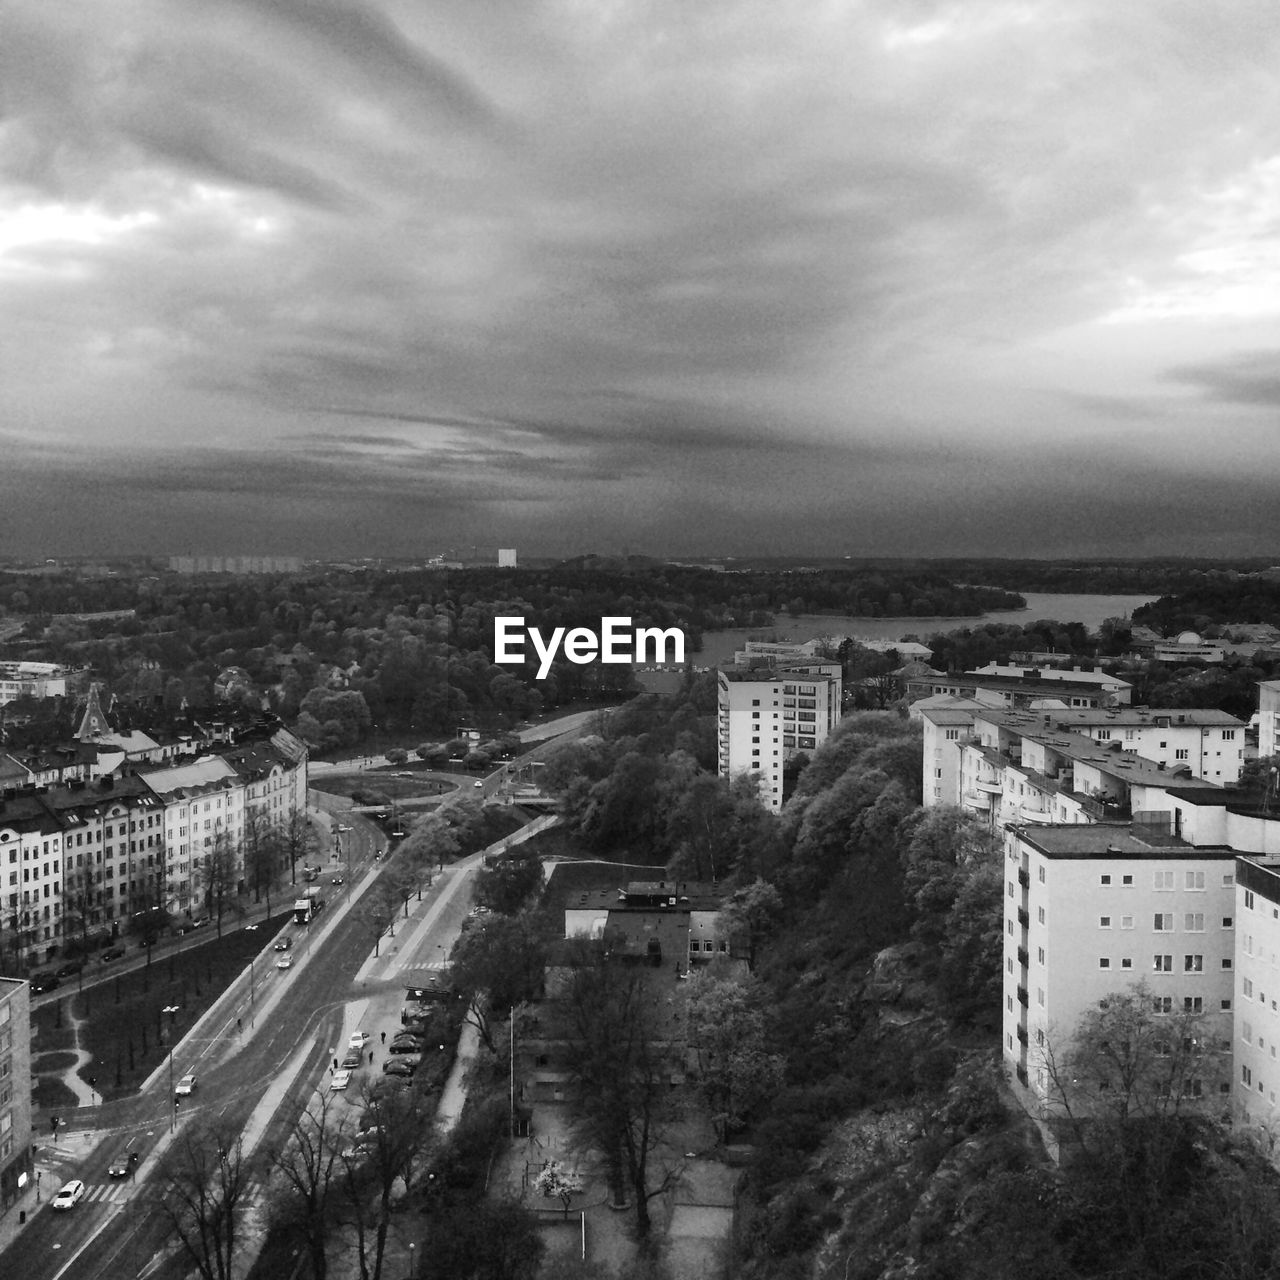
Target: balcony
x,y
1022,1074
1024,877
1105,809
1024,917
1022,996
977,800
1033,813
1022,1035
989,786
1023,957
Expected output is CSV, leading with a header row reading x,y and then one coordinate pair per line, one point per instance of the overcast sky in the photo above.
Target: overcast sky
x,y
408,276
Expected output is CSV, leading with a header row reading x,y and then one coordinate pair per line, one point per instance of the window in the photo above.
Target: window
x,y
1104,879
1228,922
1163,922
1126,963
1040,874
1193,922
1104,922
1194,880
1226,962
1162,964
1040,914
1126,922
1246,1076
1247,987
1104,962
1248,898
1193,1004
1126,880
1162,1004
1162,880
1181,754
1193,964
1040,954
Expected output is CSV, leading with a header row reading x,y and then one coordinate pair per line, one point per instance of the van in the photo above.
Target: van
x,y
125,1163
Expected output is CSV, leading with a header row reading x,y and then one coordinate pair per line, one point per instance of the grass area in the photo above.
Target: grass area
x,y
48,1093
126,1032
388,784
60,1060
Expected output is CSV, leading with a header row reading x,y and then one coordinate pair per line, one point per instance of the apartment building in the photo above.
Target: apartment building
x,y
32,679
1121,690
1091,909
1031,689
16,1165
1268,718
765,718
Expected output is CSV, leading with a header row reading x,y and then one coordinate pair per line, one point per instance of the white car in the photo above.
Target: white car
x,y
358,1040
70,1195
340,1080
185,1087
285,962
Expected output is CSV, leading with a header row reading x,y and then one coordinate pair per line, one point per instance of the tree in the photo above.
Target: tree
x,y
485,1240
311,1166
496,966
402,1140
725,1030
261,854
299,840
753,912
205,1176
220,874
555,1179
622,1069
506,886
377,907
431,841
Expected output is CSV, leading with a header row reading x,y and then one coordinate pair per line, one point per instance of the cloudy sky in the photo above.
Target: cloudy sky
x,y
345,277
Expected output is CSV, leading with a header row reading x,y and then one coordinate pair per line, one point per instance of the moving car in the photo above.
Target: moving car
x,y
340,1080
71,1194
336,880
358,1040
283,944
124,1164
70,969
285,962
110,954
185,1087
43,982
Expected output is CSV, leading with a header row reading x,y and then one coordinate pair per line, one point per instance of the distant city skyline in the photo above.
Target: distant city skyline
x,y
343,278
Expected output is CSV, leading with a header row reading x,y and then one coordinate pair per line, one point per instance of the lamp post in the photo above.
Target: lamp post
x,y
251,991
173,1097
412,1272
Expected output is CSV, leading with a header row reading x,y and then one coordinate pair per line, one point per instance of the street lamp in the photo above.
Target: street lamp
x,y
412,1272
173,1097
251,991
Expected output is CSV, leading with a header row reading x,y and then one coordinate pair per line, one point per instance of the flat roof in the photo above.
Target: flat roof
x,y
1100,840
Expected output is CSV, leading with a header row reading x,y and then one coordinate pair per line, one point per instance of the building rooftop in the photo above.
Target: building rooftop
x,y
1136,716
1100,840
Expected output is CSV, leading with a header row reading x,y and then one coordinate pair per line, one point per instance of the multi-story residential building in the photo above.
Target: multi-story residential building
x,y
31,841
16,1166
1268,718
948,725
1093,909
1257,995
1031,689
32,679
1121,690
765,718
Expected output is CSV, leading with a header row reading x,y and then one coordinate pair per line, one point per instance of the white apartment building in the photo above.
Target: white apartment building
x,y
1256,1078
35,679
766,718
1121,689
1268,718
1093,909
948,724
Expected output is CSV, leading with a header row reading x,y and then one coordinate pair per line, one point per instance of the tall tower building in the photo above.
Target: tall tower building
x,y
766,717
506,557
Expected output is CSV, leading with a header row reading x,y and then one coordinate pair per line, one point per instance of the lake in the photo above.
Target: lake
x,y
720,646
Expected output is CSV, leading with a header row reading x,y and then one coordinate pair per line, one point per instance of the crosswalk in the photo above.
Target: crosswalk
x,y
117,1192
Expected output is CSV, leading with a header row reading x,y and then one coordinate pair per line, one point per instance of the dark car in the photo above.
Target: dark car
x,y
354,1059
110,954
399,1067
43,982
406,1044
124,1164
70,969
283,944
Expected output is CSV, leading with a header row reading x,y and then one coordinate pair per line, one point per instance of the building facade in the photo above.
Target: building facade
x,y
766,718
15,1091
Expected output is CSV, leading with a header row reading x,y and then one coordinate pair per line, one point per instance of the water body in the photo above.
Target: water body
x,y
719,646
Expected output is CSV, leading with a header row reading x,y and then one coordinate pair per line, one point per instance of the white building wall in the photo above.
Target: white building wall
x,y
1269,718
1091,929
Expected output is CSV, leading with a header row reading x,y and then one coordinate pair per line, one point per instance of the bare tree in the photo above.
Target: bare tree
x,y
261,854
220,874
205,1175
621,1054
312,1168
299,840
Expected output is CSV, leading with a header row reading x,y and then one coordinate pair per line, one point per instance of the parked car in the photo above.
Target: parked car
x,y
71,1194
358,1040
285,962
283,944
43,982
185,1087
405,1044
70,969
110,954
124,1163
353,1060
399,1067
340,1079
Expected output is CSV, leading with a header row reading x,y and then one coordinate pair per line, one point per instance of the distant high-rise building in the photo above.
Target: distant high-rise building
x,y
506,558
235,564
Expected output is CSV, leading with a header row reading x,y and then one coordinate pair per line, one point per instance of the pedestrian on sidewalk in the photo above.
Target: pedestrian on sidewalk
x,y
371,1057
335,1065
384,1037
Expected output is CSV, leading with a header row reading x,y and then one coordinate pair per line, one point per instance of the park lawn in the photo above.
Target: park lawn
x,y
380,783
126,1031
